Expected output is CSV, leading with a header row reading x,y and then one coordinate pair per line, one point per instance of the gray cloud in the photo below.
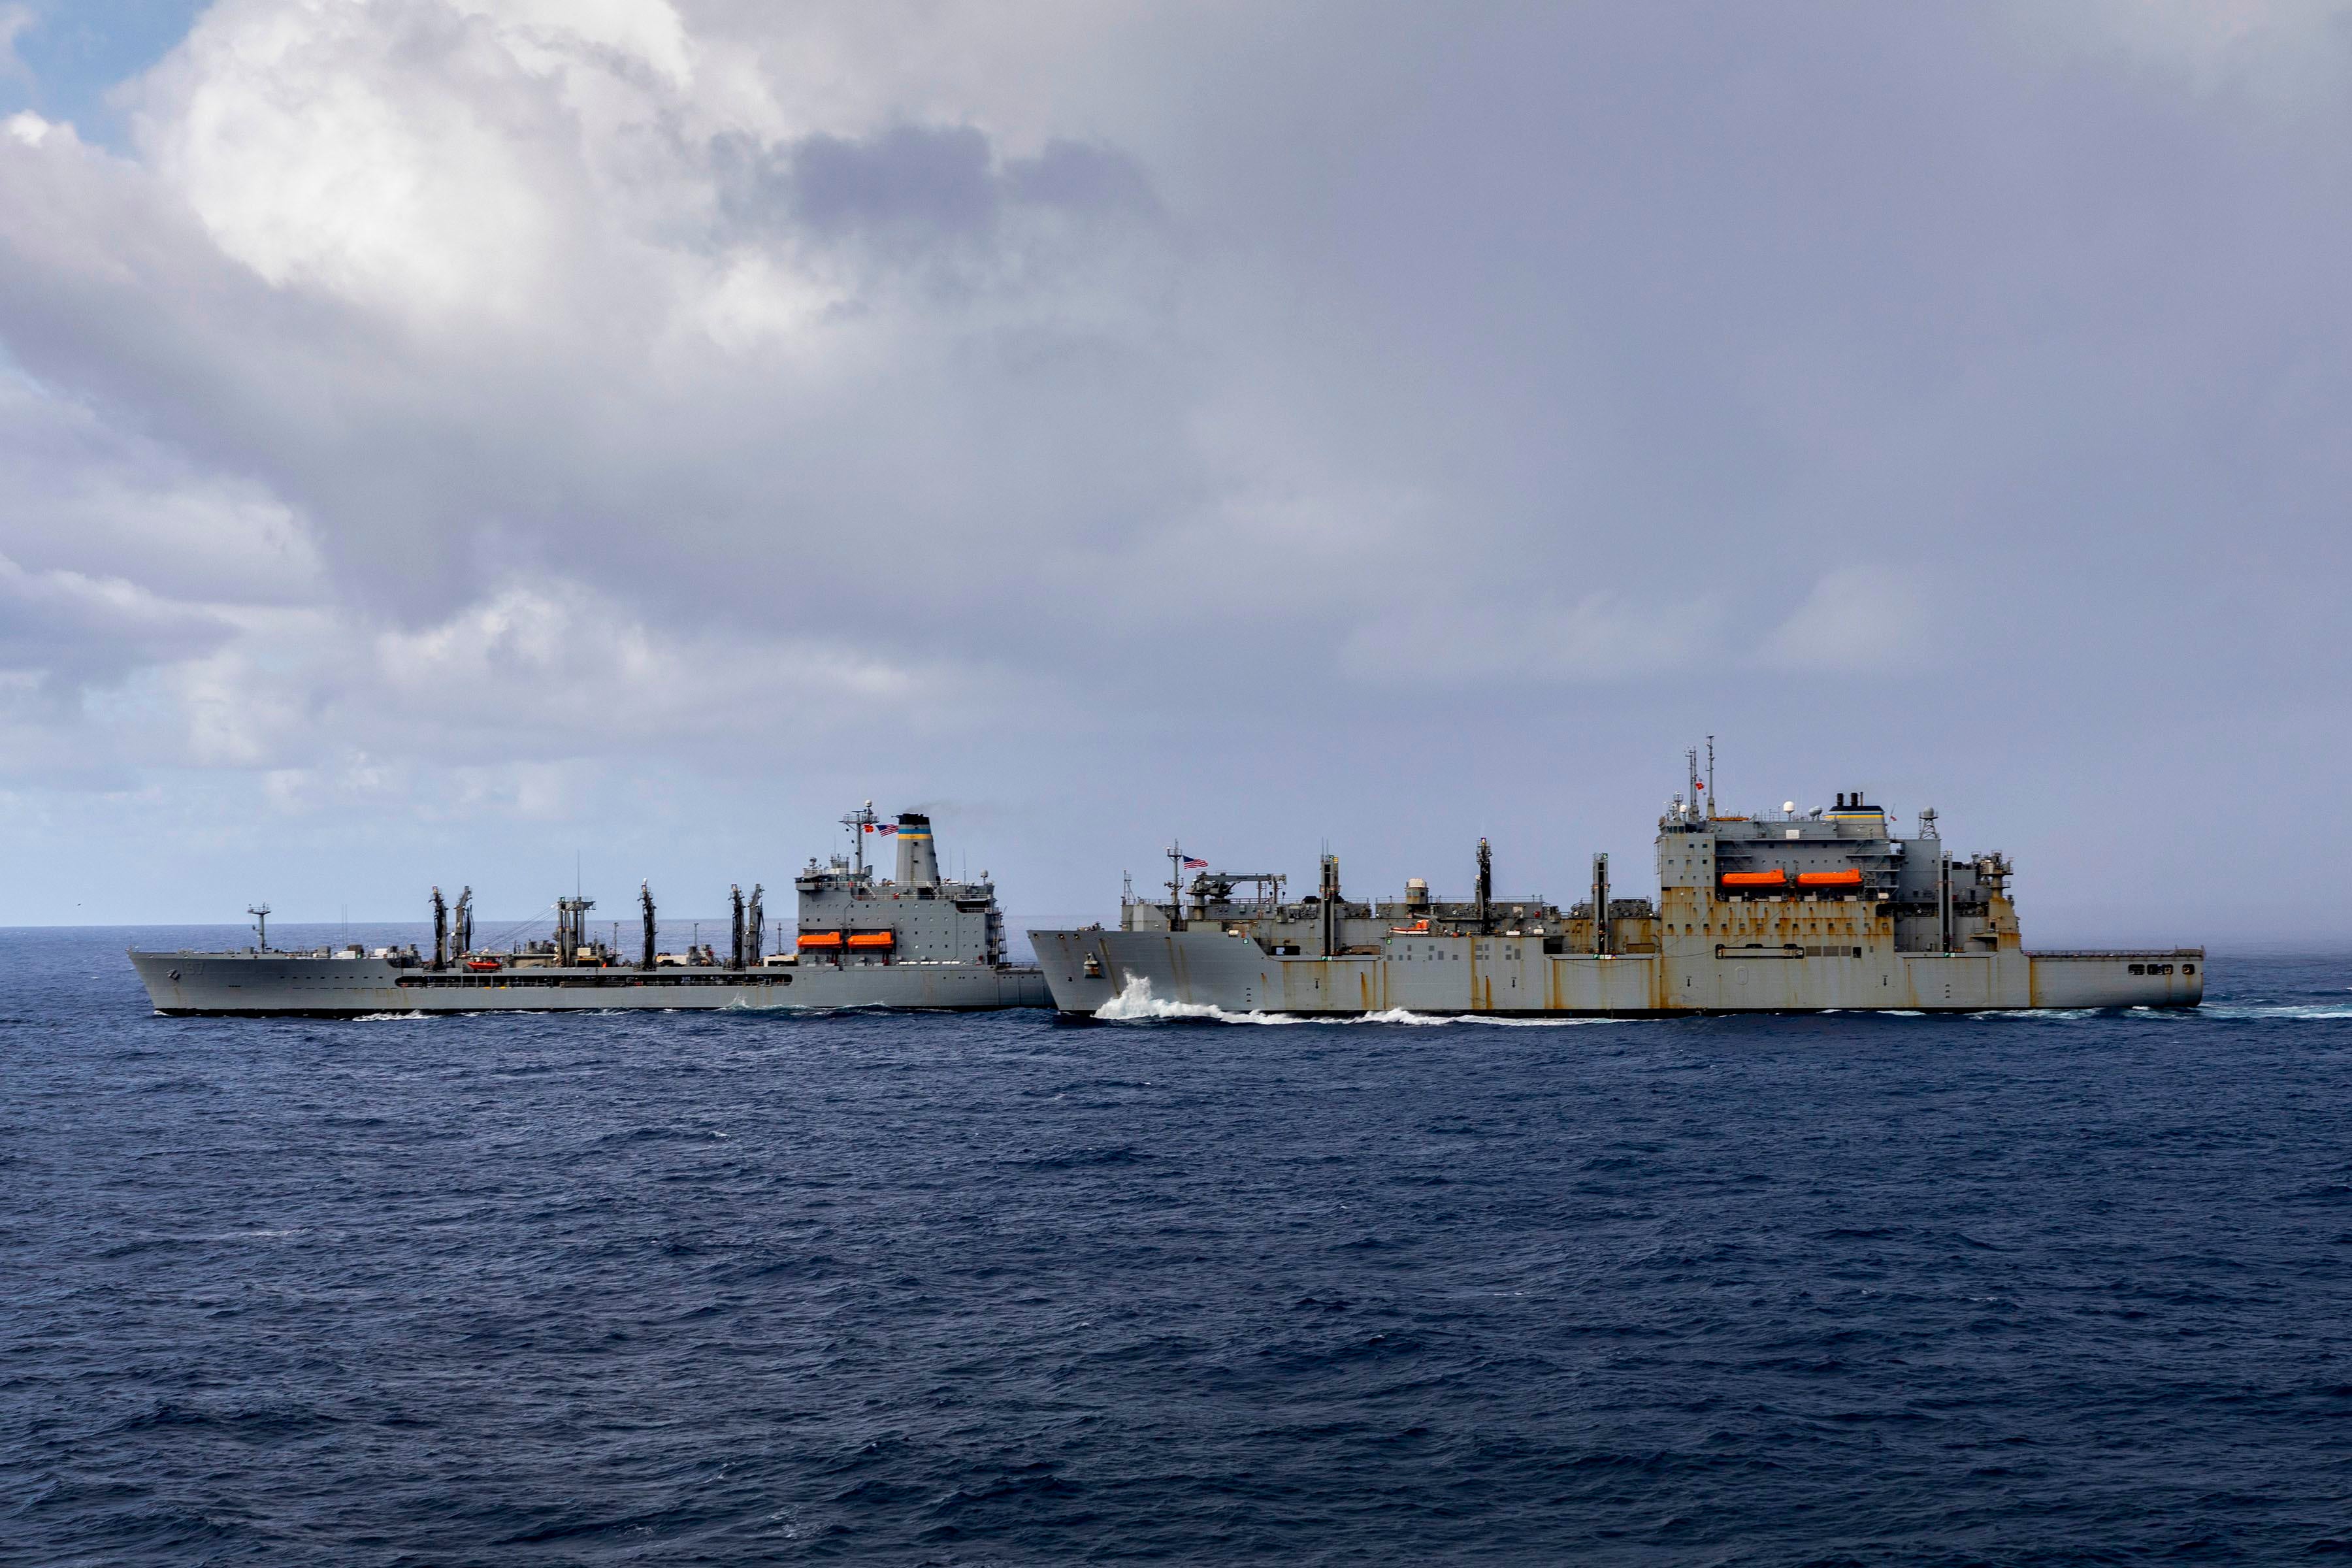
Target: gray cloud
x,y
1363,418
943,180
60,631
935,179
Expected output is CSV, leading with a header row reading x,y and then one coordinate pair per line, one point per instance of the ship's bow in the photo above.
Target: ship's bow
x,y
1076,976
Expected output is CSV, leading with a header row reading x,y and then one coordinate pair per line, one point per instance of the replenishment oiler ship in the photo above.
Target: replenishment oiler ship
x,y
1788,912
914,942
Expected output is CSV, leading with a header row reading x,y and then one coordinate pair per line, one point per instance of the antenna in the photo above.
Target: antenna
x,y
260,913
860,822
1710,776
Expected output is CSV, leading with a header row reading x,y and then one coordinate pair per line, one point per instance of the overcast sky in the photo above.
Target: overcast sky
x,y
439,438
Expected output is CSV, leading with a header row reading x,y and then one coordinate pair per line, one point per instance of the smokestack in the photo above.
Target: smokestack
x,y
919,863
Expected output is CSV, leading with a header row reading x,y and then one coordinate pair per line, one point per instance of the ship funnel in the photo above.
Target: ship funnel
x,y
919,863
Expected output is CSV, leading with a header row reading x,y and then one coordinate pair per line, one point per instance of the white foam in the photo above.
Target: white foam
x,y
1401,1015
389,1017
1135,1003
2311,1010
249,1234
2037,1014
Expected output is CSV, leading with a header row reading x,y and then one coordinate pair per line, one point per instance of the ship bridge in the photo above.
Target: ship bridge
x,y
1770,874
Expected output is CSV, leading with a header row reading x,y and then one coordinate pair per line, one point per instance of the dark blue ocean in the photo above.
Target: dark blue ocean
x,y
1003,1290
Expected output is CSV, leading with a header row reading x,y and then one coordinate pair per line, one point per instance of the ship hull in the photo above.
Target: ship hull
x,y
1086,970
278,985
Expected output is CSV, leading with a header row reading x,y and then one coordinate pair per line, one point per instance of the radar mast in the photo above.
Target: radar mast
x,y
860,822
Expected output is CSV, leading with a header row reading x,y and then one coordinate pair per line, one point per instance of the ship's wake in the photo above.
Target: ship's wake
x,y
2290,1012
1485,1020
1135,1003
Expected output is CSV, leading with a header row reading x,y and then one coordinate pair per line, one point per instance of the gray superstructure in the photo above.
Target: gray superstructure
x,y
1787,912
914,941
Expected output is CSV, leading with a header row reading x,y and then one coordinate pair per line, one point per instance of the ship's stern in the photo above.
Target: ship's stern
x,y
2174,978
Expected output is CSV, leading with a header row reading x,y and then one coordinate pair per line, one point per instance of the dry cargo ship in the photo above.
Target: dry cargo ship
x,y
913,941
1784,911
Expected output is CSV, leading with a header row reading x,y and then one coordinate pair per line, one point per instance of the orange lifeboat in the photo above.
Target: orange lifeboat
x,y
1775,878
872,939
819,939
482,965
1849,878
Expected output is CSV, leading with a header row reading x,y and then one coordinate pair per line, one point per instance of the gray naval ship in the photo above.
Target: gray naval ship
x,y
914,941
1786,911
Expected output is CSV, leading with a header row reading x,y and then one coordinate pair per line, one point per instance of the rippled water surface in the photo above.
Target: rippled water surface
x,y
743,1288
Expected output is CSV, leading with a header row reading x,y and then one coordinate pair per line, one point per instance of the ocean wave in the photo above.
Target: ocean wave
x,y
931,1226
